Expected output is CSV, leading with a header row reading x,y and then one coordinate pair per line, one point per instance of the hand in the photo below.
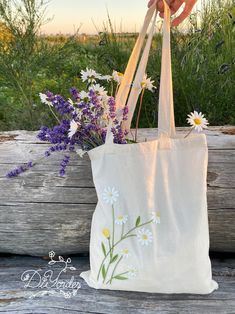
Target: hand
x,y
175,6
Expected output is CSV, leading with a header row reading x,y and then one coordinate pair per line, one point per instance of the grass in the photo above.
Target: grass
x,y
203,65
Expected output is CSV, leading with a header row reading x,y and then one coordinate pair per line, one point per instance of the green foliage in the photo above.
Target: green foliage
x,y
203,64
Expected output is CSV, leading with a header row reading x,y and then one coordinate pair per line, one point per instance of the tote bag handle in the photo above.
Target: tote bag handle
x,y
166,120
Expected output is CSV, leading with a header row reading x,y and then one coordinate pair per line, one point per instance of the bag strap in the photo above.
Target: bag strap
x,y
136,88
125,85
166,119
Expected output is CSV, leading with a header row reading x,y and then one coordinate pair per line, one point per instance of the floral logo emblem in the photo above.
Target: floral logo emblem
x,y
51,281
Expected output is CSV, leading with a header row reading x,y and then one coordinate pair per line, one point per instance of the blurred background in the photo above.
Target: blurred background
x,y
45,44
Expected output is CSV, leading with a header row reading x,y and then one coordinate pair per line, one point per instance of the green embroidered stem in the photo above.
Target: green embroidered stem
x,y
115,267
126,235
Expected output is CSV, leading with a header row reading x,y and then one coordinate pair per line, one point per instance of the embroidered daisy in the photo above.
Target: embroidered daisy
x,y
156,217
132,271
110,195
44,99
106,233
73,128
117,76
125,253
89,75
144,236
121,219
147,83
197,121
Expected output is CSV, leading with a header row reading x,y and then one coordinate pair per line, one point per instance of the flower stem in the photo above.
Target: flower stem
x,y
189,132
113,272
126,235
138,117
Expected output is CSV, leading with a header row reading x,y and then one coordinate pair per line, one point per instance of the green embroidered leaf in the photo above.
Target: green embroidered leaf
x,y
103,272
137,221
114,258
119,277
103,248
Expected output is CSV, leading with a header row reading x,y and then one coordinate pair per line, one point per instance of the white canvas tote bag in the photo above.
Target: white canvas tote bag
x,y
150,227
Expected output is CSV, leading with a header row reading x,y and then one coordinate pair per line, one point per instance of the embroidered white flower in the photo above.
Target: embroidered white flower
x,y
73,128
44,99
132,271
117,76
147,83
125,253
197,121
156,217
144,236
89,75
84,96
51,254
121,219
110,195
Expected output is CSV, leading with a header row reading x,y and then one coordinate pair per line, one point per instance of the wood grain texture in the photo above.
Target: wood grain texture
x,y
14,298
40,211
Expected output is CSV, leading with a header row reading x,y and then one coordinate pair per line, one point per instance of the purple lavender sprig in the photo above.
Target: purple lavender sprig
x,y
81,123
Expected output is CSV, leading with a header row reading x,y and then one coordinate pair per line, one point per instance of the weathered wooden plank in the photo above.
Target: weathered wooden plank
x,y
37,228
39,204
15,299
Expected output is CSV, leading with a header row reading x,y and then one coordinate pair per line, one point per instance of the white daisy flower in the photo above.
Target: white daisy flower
x,y
132,271
70,101
99,90
73,128
117,77
84,96
110,195
89,75
156,217
147,83
44,99
197,121
105,77
81,152
144,236
121,219
125,253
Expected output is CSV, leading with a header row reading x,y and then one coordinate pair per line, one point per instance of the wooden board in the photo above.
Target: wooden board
x,y
40,210
14,298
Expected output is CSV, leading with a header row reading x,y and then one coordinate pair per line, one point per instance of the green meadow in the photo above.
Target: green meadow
x,y
203,59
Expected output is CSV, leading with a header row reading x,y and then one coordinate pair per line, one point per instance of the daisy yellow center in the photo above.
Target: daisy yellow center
x,y
125,251
197,121
143,84
120,74
145,237
120,217
106,233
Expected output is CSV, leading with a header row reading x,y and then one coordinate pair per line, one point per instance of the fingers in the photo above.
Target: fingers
x,y
150,3
186,12
175,5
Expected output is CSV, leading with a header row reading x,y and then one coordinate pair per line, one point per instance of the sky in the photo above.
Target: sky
x,y
68,15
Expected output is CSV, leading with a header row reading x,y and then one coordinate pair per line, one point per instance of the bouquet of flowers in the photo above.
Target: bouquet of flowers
x,y
83,119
